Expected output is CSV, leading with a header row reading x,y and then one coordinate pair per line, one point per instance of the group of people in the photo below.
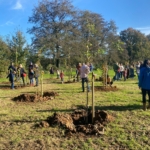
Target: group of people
x,y
123,71
82,71
19,73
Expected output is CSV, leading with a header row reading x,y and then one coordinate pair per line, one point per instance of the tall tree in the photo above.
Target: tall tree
x,y
52,19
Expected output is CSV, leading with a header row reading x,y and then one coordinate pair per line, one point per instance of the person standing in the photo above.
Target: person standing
x,y
84,71
31,74
125,74
121,70
138,69
11,74
91,67
62,76
22,73
36,74
78,71
144,82
51,70
116,70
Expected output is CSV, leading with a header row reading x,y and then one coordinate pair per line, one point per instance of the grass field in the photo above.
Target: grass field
x,y
129,130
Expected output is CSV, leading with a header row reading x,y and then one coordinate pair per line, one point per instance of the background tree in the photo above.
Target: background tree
x,y
51,20
4,56
136,44
18,48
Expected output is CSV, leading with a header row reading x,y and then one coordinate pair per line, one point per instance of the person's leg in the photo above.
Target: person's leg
x,y
23,80
144,98
32,81
83,79
148,99
36,81
12,81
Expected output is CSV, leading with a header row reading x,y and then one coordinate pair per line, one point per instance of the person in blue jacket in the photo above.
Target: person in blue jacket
x,y
144,82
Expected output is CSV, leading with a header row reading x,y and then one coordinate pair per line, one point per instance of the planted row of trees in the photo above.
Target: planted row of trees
x,y
62,34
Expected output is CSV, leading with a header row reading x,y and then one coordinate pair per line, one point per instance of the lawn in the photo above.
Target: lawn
x,y
130,128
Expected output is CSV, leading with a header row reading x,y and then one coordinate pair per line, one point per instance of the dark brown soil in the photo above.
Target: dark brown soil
x,y
34,97
106,88
79,122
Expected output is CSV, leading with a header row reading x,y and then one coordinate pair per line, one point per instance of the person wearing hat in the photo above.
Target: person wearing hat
x,y
144,82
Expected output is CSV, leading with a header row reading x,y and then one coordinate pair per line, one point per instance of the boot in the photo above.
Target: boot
x,y
144,106
148,107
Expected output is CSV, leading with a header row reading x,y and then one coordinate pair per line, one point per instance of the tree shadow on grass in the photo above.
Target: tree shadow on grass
x,y
56,110
119,108
114,107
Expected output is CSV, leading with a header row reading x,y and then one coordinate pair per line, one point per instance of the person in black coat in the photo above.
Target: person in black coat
x,y
11,74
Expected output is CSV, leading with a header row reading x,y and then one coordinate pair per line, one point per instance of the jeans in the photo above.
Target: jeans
x,y
144,91
36,81
83,81
12,76
117,75
31,81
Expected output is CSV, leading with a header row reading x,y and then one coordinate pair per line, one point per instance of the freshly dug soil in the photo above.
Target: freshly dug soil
x,y
106,88
35,98
79,122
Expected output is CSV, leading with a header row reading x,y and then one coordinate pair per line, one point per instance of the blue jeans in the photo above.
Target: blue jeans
x,y
83,81
31,81
117,75
12,76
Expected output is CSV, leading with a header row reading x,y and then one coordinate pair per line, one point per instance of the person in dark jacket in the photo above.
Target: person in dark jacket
x,y
31,74
36,74
11,74
144,82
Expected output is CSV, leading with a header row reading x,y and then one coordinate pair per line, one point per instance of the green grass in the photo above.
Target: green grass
x,y
129,130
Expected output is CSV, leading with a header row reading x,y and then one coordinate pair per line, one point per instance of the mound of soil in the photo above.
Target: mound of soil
x,y
35,98
79,122
106,88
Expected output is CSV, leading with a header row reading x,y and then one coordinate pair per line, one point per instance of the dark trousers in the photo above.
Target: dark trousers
x,y
11,78
144,91
23,80
83,81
